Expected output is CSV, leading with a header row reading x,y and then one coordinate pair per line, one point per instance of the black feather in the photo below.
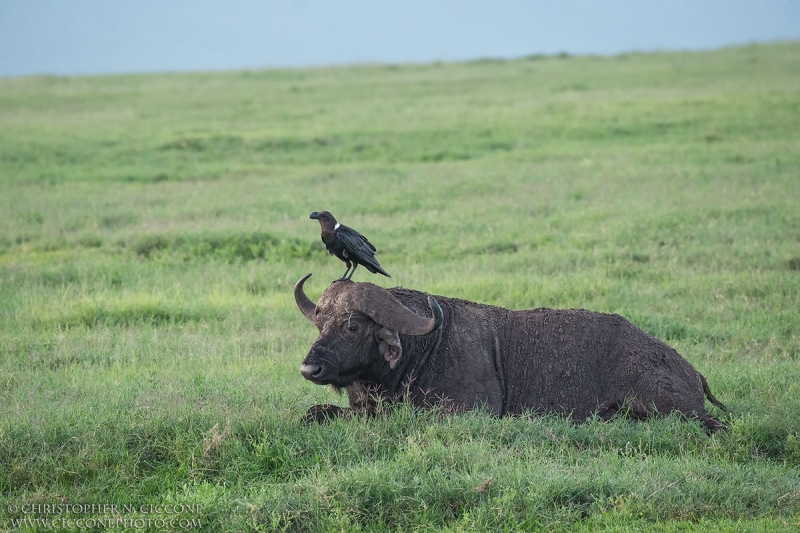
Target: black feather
x,y
347,244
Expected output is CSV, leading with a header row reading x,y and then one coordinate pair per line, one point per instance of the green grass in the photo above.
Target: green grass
x,y
152,228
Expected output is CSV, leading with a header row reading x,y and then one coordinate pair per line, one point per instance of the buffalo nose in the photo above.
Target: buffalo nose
x,y
309,371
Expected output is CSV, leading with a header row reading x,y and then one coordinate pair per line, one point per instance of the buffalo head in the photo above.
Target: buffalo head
x,y
359,331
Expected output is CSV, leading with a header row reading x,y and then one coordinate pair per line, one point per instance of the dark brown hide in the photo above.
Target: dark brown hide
x,y
573,362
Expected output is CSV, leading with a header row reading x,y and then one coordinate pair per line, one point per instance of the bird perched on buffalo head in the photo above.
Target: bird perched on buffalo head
x,y
348,245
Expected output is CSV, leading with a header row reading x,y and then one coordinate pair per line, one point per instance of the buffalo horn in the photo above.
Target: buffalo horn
x,y
307,307
379,304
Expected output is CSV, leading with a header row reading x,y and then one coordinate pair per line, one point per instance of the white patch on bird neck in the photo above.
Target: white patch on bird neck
x,y
336,226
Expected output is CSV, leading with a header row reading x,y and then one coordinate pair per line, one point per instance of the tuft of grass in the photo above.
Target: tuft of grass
x,y
231,247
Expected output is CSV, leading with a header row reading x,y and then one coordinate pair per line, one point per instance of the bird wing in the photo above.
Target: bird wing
x,y
355,244
357,248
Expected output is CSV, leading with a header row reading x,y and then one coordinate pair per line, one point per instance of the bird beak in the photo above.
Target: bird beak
x,y
314,215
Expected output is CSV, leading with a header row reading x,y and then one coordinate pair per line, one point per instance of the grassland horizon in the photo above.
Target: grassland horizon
x,y
153,227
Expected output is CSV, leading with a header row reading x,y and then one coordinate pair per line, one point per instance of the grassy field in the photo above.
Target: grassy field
x,y
152,227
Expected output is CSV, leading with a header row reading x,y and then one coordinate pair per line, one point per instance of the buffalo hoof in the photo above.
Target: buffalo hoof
x,y
322,413
713,424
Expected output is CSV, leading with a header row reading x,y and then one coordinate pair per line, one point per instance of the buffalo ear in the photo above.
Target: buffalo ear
x,y
389,345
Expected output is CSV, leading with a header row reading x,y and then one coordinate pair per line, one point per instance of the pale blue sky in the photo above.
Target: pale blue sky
x,y
116,36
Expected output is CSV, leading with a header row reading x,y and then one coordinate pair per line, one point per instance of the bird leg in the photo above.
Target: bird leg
x,y
344,276
355,265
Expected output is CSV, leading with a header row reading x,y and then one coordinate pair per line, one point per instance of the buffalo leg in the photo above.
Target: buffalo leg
x,y
632,408
712,423
323,413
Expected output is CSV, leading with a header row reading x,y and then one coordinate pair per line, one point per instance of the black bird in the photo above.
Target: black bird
x,y
347,244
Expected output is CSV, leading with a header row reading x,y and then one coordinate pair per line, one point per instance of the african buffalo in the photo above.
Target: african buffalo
x,y
401,344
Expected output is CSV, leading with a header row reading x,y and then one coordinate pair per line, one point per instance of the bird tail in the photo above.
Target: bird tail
x,y
375,268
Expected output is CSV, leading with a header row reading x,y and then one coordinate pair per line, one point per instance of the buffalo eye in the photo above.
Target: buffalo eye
x,y
353,327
